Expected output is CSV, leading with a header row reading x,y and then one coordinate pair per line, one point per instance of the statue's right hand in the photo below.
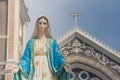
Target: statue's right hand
x,y
15,68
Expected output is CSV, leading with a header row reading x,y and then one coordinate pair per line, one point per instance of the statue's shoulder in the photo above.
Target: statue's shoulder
x,y
32,40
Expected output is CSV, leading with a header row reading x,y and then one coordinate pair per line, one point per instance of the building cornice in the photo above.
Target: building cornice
x,y
91,38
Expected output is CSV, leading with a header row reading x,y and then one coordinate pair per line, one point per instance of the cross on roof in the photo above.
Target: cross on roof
x,y
75,14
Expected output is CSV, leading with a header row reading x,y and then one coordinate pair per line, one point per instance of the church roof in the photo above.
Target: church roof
x,y
91,38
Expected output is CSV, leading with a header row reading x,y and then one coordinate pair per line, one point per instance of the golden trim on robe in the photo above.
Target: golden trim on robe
x,y
39,54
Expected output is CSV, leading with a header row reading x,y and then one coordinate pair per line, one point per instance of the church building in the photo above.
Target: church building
x,y
90,58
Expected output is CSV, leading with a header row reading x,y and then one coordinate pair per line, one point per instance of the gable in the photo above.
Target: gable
x,y
91,42
80,49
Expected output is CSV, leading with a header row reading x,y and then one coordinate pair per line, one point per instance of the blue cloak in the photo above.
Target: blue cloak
x,y
55,59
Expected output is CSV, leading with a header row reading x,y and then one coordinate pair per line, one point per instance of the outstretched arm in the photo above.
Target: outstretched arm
x,y
25,60
60,58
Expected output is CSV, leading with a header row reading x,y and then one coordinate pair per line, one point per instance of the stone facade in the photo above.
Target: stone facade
x,y
13,23
89,60
3,33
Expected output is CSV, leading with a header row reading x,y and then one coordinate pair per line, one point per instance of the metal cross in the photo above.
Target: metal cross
x,y
75,15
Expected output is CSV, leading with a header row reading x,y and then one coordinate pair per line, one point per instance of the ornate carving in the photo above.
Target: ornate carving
x,y
97,65
78,47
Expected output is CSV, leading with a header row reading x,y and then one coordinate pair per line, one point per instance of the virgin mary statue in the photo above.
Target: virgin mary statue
x,y
42,58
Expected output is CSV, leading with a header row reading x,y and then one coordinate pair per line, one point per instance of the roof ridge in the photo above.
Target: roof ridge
x,y
91,37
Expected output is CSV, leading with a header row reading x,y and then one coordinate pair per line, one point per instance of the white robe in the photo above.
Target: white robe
x,y
42,71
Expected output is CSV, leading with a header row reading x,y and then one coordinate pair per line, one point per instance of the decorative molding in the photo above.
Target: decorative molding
x,y
80,48
90,37
95,64
3,36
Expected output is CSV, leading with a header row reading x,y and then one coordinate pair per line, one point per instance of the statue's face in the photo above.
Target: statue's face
x,y
42,25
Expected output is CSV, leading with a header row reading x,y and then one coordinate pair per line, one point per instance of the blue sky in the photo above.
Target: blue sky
x,y
101,18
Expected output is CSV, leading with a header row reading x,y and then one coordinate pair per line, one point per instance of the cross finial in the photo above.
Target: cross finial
x,y
75,14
